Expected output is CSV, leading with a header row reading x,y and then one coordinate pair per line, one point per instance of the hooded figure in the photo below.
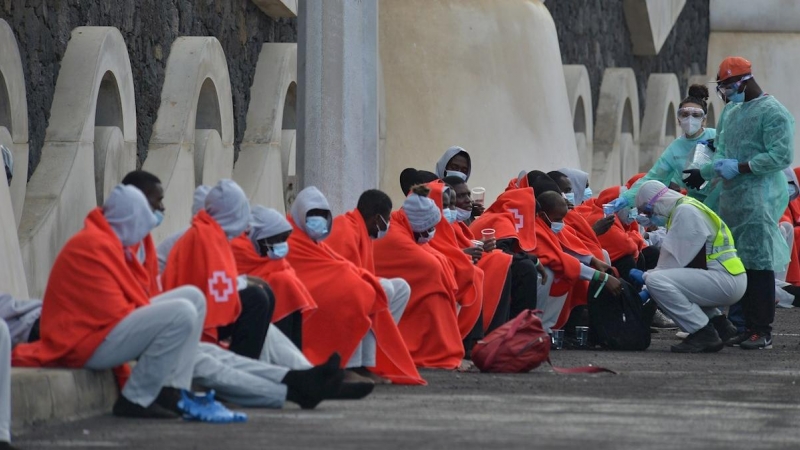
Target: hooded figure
x,y
580,181
163,249
444,168
227,204
698,271
353,316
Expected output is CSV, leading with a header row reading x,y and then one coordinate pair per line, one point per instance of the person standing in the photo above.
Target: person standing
x,y
755,143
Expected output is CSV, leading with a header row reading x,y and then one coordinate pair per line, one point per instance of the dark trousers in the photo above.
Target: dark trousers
x,y
650,255
758,303
523,285
292,327
247,334
503,311
625,264
473,337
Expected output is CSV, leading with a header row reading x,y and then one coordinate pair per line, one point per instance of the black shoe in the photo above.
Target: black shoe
x,y
737,339
309,387
725,329
6,446
757,341
168,398
126,408
704,340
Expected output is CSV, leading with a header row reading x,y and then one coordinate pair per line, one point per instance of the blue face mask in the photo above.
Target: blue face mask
x,y
736,98
317,227
628,216
643,220
556,227
159,217
570,196
450,215
278,251
463,215
587,193
455,173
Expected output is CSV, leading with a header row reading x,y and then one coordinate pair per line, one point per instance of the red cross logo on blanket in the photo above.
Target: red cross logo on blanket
x,y
520,220
220,286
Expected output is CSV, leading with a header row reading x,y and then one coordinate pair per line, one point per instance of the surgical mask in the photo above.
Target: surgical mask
x,y
382,233
736,98
587,193
462,215
159,217
317,227
455,173
659,221
278,251
449,215
628,216
556,227
690,125
643,220
570,196
426,239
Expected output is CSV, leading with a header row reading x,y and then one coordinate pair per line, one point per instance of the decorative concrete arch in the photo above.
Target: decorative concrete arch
x,y
14,115
196,96
616,132
579,93
261,169
62,189
14,136
659,124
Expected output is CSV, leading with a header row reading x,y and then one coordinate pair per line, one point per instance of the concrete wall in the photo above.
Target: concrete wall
x,y
482,74
149,28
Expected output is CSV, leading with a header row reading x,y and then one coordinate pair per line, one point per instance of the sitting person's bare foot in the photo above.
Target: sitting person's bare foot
x,y
377,379
466,366
351,376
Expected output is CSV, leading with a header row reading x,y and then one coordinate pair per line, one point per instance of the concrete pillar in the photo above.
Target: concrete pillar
x,y
337,114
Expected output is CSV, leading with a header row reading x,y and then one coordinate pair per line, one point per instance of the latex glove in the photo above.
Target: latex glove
x,y
619,204
637,276
727,168
694,180
644,295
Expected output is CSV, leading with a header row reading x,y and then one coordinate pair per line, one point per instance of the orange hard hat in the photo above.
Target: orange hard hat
x,y
733,66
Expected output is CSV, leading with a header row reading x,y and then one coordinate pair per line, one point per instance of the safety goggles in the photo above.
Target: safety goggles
x,y
685,113
725,90
648,208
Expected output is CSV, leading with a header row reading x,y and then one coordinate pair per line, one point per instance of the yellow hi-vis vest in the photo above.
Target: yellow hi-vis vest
x,y
722,249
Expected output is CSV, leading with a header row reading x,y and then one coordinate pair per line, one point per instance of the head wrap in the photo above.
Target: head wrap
x,y
578,179
308,199
227,204
128,213
199,198
422,212
664,204
265,223
449,154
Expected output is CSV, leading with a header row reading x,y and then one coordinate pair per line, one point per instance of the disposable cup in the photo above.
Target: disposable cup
x,y
582,334
558,339
478,195
487,233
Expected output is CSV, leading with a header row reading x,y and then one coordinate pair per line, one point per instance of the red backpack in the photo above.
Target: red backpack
x,y
519,346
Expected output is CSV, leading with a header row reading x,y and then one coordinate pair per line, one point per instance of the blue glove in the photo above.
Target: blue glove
x,y
644,295
727,168
618,204
637,276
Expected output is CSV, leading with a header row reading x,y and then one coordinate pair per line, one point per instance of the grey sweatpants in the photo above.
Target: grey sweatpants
x,y
398,292
691,297
5,383
163,337
551,306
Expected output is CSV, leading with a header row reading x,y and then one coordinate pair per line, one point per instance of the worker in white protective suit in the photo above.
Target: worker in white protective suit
x,y
698,270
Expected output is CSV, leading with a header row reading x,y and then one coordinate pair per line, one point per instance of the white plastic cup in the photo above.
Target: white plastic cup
x,y
557,339
582,333
487,233
478,195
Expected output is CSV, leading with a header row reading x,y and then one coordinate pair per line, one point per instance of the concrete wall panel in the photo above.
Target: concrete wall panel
x,y
62,189
762,15
482,74
261,167
14,115
650,22
113,158
579,92
196,95
773,55
616,132
659,123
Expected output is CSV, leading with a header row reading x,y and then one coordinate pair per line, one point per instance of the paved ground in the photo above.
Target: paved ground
x,y
730,400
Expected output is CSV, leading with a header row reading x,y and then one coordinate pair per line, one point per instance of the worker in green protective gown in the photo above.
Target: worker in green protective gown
x,y
755,142
678,155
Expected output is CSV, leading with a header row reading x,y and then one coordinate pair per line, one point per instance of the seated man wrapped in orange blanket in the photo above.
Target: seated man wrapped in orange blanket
x,y
262,254
202,257
352,237
430,323
353,316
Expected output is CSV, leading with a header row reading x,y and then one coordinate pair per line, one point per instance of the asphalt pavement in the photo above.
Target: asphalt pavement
x,y
734,399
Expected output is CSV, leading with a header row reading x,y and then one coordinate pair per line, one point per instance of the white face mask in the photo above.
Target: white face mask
x,y
690,125
455,173
463,215
382,233
449,215
426,239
